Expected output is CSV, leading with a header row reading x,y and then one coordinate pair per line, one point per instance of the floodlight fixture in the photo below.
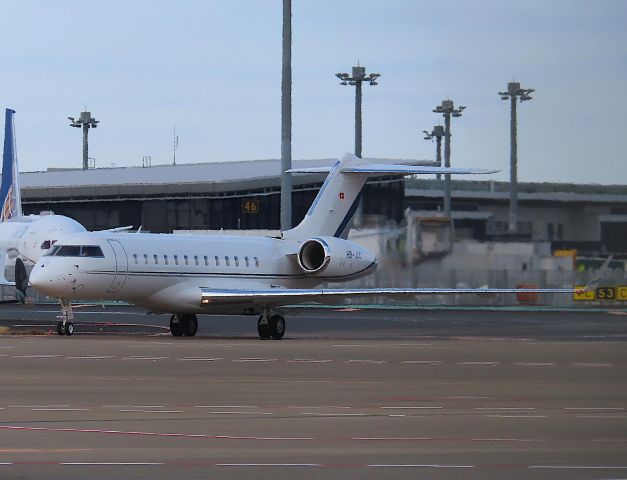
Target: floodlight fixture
x,y
84,121
357,77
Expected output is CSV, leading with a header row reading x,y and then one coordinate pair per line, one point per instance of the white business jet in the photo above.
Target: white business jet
x,y
188,275
23,238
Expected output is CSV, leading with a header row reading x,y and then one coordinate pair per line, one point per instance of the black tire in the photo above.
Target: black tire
x,y
190,325
59,328
263,328
277,327
69,328
176,329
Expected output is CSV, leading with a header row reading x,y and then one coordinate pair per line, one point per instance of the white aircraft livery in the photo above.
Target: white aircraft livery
x,y
186,275
23,239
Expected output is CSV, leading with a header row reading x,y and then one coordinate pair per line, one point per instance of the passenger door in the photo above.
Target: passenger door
x,y
121,266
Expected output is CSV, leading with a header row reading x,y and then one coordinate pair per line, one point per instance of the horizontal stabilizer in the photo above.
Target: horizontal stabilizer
x,y
382,168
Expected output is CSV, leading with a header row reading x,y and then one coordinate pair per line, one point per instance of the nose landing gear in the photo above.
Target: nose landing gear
x,y
65,325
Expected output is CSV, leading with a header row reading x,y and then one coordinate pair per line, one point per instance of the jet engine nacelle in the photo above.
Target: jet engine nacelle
x,y
335,257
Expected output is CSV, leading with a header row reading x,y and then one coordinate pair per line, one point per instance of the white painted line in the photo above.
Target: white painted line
x,y
111,463
199,359
239,360
147,406
373,362
535,364
509,440
38,406
61,409
35,356
422,362
601,416
504,408
90,357
515,416
397,415
392,438
593,364
481,364
318,414
417,466
268,465
308,360
239,412
226,406
151,411
144,358
595,408
316,406
407,408
580,467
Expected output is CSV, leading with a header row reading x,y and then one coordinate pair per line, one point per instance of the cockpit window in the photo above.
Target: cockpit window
x,y
69,251
53,250
91,251
45,245
76,251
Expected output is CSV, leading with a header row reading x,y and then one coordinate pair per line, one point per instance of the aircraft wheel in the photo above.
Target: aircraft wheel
x,y
263,328
190,325
277,327
69,328
176,329
59,328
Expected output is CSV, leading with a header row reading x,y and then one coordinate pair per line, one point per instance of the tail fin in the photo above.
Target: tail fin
x,y
333,208
10,198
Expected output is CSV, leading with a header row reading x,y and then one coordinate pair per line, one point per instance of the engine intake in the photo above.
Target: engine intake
x,y
314,256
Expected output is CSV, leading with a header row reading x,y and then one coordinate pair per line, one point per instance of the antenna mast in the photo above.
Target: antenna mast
x,y
175,144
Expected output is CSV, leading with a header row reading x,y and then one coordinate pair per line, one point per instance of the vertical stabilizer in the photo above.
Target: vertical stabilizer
x,y
333,208
10,199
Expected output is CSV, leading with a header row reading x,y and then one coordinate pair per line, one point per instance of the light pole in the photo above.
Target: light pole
x,y
286,118
447,109
358,77
513,93
85,121
437,133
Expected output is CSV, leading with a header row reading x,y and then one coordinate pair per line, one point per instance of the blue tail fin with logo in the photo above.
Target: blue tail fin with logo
x,y
11,203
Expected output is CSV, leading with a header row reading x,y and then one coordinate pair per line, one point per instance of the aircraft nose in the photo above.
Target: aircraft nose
x,y
40,279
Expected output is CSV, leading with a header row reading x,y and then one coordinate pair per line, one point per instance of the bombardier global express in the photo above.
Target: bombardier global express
x,y
186,275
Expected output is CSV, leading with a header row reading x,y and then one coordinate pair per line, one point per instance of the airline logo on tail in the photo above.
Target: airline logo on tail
x,y
9,188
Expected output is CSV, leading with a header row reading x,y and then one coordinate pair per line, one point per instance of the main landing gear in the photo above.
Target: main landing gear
x,y
271,326
183,324
65,325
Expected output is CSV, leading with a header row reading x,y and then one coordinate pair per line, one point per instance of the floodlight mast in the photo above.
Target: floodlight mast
x,y
447,109
286,117
437,133
513,93
356,79
85,121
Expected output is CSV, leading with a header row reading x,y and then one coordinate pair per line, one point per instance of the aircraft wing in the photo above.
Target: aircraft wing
x,y
283,296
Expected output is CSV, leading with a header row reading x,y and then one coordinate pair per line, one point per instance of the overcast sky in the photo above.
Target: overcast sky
x,y
214,69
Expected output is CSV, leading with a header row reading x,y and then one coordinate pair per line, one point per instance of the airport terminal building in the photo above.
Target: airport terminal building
x,y
246,195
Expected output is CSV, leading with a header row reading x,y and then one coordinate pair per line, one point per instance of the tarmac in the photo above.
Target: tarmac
x,y
347,394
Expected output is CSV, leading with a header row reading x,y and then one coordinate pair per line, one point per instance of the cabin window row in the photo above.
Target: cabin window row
x,y
196,260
